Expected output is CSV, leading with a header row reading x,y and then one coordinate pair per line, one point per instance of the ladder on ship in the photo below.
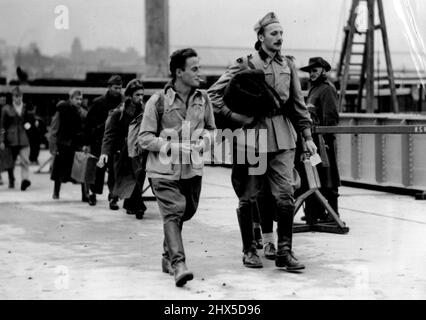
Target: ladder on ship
x,y
357,57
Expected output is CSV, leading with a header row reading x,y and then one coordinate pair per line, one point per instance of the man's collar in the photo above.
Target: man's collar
x,y
170,92
267,58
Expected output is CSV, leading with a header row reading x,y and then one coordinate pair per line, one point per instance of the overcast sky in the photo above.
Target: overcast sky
x,y
307,23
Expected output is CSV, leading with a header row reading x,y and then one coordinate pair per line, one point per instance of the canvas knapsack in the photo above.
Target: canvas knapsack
x,y
133,146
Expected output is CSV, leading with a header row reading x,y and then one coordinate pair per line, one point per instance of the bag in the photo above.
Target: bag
x,y
84,167
6,159
248,93
133,147
311,174
132,137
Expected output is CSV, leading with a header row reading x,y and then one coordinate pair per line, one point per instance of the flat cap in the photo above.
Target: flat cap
x,y
271,17
115,80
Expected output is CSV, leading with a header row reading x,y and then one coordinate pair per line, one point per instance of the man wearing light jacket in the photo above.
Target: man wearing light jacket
x,y
176,127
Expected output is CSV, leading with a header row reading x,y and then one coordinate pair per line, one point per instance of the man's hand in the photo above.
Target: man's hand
x,y
103,160
2,146
310,145
241,119
27,126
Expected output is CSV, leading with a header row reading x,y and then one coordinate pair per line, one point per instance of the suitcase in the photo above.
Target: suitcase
x,y
6,159
84,167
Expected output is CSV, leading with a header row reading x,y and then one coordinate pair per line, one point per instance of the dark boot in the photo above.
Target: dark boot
x,y
250,257
284,256
285,259
113,202
182,274
92,199
172,233
25,184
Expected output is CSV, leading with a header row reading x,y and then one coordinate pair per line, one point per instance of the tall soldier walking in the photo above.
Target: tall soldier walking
x,y
280,74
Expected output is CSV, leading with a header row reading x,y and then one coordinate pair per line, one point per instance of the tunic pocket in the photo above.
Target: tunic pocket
x,y
158,165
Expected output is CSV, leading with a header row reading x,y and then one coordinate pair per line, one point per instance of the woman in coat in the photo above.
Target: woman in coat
x,y
66,138
129,172
15,121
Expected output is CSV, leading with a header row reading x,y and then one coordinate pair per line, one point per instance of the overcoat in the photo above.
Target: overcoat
x,y
128,171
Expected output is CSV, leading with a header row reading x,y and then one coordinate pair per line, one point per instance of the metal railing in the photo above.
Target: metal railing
x,y
384,152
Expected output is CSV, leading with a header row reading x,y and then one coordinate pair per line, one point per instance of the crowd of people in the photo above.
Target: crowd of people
x,y
175,127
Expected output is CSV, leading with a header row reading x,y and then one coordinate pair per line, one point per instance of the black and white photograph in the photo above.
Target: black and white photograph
x,y
234,152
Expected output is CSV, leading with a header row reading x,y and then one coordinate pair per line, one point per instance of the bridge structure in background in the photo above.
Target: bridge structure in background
x,y
382,151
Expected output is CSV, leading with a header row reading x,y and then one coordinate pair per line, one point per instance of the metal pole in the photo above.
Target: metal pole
x,y
157,38
370,56
388,57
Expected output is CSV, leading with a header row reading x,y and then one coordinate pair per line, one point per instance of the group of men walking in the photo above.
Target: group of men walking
x,y
102,132
177,125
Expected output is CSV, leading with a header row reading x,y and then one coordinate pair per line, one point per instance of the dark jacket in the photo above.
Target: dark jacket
x,y
66,137
127,170
322,104
67,126
12,131
96,118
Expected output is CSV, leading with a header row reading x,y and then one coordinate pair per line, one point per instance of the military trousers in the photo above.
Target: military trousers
x,y
279,177
178,201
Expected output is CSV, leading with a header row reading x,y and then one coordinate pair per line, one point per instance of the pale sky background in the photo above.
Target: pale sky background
x,y
313,24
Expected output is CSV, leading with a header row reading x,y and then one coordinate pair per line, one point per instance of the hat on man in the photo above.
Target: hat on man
x,y
133,86
316,62
271,17
115,80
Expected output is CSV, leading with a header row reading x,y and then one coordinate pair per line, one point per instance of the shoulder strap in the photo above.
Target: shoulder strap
x,y
159,105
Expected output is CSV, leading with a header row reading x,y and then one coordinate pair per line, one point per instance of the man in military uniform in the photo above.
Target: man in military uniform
x,y
280,73
322,104
95,128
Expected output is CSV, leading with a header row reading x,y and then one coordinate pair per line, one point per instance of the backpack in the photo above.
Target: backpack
x,y
133,146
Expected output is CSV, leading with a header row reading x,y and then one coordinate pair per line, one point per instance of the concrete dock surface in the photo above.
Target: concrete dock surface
x,y
65,249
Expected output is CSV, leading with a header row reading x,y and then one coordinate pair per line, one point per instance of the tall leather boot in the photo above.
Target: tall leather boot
x,y
285,257
166,264
172,233
250,257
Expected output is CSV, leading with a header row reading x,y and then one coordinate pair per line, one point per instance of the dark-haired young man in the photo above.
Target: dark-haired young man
x,y
178,121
